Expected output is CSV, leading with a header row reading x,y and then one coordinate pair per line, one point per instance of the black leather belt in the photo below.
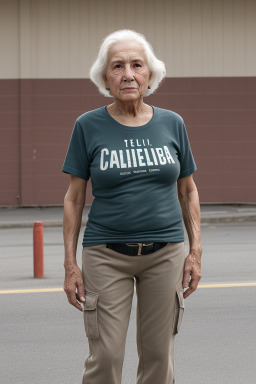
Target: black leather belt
x,y
135,249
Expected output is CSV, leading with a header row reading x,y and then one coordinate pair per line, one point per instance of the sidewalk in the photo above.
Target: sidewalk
x,y
18,217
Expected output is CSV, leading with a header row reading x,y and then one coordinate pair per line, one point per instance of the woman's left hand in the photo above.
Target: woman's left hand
x,y
192,268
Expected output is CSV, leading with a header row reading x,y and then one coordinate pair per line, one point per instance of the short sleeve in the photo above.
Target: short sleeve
x,y
76,161
187,162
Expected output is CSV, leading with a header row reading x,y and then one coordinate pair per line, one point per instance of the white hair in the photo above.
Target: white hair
x,y
156,66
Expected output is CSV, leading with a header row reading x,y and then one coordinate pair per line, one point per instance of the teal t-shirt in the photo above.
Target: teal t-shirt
x,y
134,172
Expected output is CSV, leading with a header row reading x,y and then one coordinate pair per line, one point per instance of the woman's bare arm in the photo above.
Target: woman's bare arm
x,y
189,202
74,201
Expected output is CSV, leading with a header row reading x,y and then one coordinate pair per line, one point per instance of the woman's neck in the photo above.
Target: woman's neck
x,y
129,109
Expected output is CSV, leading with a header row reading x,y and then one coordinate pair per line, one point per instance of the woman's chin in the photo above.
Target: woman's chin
x,y
129,96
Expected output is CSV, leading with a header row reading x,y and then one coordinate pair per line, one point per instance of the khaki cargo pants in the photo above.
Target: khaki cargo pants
x,y
109,283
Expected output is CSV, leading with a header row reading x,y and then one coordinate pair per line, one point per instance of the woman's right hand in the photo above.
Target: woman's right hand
x,y
74,280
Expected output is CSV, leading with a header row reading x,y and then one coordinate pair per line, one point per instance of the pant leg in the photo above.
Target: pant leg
x,y
160,306
109,287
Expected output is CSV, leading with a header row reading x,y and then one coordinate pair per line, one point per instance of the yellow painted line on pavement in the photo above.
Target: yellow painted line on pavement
x,y
39,290
32,290
226,285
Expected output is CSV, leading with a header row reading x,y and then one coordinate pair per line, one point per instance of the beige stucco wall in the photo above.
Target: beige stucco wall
x,y
60,38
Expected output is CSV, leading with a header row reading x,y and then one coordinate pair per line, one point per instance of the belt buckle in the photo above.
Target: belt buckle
x,y
140,246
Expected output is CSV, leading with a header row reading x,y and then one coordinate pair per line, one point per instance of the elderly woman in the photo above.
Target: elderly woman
x,y
140,163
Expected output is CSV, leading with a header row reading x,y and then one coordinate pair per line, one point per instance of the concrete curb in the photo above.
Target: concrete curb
x,y
220,219
228,219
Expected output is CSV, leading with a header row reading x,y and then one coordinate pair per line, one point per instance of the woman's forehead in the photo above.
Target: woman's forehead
x,y
124,49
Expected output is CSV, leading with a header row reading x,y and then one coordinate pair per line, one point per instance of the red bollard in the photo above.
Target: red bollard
x,y
38,245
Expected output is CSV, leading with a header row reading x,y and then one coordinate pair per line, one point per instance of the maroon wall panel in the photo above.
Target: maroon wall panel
x,y
37,118
9,143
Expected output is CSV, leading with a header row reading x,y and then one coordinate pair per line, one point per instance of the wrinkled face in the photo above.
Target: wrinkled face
x,y
127,73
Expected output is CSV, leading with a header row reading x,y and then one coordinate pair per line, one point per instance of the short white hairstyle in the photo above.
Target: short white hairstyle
x,y
156,66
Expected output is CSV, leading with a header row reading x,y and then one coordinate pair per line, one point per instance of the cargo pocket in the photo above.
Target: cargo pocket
x,y
90,315
178,311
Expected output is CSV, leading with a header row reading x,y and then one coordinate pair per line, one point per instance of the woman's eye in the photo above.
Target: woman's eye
x,y
137,65
117,66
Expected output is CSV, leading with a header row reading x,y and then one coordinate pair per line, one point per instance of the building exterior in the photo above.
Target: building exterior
x,y
47,48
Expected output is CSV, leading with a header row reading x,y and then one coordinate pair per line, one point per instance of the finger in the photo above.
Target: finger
x,y
78,306
187,293
186,277
71,295
194,283
81,291
192,287
78,298
72,299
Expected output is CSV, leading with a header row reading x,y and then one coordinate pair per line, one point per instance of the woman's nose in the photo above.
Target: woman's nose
x,y
128,73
